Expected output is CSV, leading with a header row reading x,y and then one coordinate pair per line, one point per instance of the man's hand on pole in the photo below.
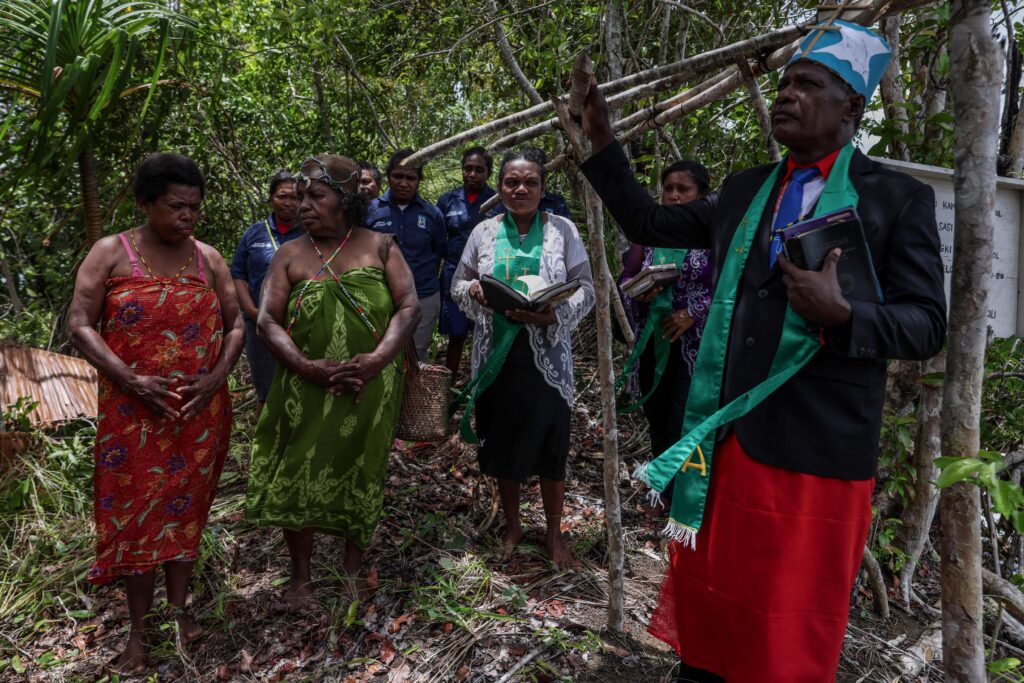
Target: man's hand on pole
x,y
595,122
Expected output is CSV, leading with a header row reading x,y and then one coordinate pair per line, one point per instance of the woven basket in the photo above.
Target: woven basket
x,y
424,414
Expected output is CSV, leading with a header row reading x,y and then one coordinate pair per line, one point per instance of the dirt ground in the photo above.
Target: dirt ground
x,y
444,607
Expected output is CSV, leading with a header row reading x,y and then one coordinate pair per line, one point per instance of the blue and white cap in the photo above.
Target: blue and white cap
x,y
856,54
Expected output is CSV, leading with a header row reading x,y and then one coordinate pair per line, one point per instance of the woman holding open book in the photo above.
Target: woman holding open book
x,y
668,322
522,386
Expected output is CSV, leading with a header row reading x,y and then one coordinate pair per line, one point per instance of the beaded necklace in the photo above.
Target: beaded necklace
x,y
131,233
298,300
355,304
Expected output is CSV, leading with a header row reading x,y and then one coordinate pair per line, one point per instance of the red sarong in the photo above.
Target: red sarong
x,y
766,595
155,479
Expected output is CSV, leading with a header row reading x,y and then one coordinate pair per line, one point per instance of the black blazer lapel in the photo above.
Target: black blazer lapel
x,y
757,264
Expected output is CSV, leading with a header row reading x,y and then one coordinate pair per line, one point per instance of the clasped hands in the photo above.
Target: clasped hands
x,y
341,376
155,392
543,316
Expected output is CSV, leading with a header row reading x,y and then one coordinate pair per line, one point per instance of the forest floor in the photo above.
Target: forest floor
x,y
444,606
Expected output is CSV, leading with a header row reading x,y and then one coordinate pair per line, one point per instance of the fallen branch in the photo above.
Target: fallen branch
x,y
997,587
712,94
921,654
526,659
876,582
778,43
668,74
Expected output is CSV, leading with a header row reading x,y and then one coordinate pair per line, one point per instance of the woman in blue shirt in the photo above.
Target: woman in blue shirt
x,y
257,247
460,207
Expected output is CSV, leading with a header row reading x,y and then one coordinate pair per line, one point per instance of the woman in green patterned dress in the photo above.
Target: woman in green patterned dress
x,y
336,310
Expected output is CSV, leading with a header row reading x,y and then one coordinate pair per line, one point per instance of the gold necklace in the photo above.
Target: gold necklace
x,y
191,256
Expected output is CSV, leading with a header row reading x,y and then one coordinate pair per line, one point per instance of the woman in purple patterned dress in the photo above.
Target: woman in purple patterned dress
x,y
683,181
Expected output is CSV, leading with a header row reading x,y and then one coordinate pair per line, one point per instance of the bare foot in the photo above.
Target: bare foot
x,y
133,659
512,537
188,629
299,595
558,551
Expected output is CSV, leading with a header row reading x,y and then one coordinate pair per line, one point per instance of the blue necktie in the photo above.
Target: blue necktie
x,y
789,208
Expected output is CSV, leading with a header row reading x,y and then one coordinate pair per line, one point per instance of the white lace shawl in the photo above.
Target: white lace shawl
x,y
563,258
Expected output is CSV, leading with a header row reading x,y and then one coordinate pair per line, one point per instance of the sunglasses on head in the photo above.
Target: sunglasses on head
x,y
303,179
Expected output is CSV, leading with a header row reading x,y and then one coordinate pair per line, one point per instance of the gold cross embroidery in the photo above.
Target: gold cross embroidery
x,y
507,258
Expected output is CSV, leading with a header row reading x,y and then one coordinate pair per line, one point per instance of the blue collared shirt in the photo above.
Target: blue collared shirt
x,y
461,216
420,233
256,249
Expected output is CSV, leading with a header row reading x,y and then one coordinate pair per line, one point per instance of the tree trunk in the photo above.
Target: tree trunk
x,y
1015,150
90,196
605,369
892,90
509,57
975,83
916,521
323,111
612,504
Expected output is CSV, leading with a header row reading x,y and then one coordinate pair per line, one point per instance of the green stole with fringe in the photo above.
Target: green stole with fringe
x,y
688,462
660,307
512,259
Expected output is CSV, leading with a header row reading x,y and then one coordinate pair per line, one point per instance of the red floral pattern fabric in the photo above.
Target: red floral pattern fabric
x,y
155,479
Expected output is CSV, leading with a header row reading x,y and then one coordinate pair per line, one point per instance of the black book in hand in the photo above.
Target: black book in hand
x,y
501,297
809,242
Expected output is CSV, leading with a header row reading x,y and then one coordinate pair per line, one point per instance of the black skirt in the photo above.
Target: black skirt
x,y
522,421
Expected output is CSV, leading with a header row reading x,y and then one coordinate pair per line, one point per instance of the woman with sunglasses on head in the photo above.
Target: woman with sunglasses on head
x,y
522,360
338,307
155,311
257,247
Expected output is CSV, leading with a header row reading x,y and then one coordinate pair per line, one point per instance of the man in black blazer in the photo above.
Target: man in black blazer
x,y
793,477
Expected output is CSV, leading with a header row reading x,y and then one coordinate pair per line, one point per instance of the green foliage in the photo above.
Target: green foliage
x,y
43,563
69,63
1007,497
895,456
1002,426
16,416
1006,669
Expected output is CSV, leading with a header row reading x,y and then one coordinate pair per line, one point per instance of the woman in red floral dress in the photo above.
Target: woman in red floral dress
x,y
156,312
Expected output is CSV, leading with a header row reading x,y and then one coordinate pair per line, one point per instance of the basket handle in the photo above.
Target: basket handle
x,y
412,361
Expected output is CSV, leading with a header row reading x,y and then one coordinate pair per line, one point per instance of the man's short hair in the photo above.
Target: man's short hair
x,y
396,160
280,176
374,171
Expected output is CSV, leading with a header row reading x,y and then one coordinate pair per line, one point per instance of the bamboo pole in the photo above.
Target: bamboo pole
x,y
658,79
680,71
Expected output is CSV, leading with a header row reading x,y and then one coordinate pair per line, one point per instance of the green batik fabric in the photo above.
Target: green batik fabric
x,y
689,461
320,460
